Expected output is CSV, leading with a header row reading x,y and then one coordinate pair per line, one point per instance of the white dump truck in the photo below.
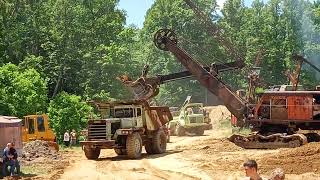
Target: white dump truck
x,y
126,127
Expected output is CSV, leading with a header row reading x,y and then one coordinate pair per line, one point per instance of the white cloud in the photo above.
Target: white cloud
x,y
220,3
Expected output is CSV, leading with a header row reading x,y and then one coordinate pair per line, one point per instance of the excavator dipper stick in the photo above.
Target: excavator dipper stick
x,y
165,39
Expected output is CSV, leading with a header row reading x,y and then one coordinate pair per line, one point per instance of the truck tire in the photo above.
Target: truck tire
x,y
180,131
91,153
148,147
159,142
200,131
134,145
120,151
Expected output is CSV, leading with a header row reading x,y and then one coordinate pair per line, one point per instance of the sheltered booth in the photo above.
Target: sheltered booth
x,y
10,131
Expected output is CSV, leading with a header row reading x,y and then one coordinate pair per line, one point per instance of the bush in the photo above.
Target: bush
x,y
67,112
22,92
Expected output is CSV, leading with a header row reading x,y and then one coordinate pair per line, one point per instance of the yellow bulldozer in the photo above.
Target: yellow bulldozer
x,y
36,127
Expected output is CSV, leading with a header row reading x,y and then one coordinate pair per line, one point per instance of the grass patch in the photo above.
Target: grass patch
x,y
73,148
33,170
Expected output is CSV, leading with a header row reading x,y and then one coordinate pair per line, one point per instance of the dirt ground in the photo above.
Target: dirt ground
x,y
210,156
205,157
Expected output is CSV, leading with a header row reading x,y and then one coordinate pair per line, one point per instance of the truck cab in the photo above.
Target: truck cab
x,y
36,127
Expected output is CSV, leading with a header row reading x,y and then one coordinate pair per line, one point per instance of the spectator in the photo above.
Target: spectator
x,y
14,154
66,138
251,169
73,138
7,160
277,174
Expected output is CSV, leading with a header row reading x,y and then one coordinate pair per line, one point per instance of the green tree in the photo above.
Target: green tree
x,y
177,16
67,112
23,92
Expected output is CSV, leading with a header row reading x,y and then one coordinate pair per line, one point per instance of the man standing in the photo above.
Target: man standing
x,y
66,138
73,138
251,169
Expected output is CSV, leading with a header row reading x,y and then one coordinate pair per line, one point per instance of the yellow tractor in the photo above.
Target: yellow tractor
x,y
36,127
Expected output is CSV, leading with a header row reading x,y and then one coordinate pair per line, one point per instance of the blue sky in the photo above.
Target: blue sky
x,y
136,9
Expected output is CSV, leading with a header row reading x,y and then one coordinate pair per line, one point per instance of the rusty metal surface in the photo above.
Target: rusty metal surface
x,y
300,107
102,105
10,131
163,113
9,120
206,79
290,93
142,88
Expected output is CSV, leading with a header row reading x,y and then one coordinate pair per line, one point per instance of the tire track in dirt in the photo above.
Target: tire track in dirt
x,y
157,167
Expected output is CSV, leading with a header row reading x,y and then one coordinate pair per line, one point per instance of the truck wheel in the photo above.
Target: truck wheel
x,y
200,131
180,131
91,153
159,142
148,147
120,151
134,145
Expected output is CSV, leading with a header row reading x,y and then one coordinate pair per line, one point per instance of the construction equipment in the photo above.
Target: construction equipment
x,y
192,119
276,116
36,127
274,112
144,88
126,126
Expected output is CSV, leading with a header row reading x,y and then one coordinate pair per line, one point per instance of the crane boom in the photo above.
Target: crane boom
x,y
215,31
166,40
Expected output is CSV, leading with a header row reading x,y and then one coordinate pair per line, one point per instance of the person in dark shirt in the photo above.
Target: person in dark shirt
x,y
15,161
7,161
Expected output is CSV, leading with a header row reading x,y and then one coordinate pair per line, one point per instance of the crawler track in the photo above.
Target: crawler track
x,y
274,141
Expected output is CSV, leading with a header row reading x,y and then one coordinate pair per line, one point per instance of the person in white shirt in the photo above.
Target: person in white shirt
x,y
66,138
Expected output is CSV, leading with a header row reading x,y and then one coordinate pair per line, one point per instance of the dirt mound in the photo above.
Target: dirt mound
x,y
218,145
218,113
294,161
211,145
39,149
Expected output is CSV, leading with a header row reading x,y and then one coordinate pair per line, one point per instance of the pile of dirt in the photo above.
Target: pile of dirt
x,y
218,113
39,149
211,145
294,161
218,145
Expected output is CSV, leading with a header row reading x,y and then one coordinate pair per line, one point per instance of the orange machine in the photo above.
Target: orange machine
x,y
36,127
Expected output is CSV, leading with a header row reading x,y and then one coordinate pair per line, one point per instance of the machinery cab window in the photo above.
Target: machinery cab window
x,y
124,113
40,123
30,126
138,112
